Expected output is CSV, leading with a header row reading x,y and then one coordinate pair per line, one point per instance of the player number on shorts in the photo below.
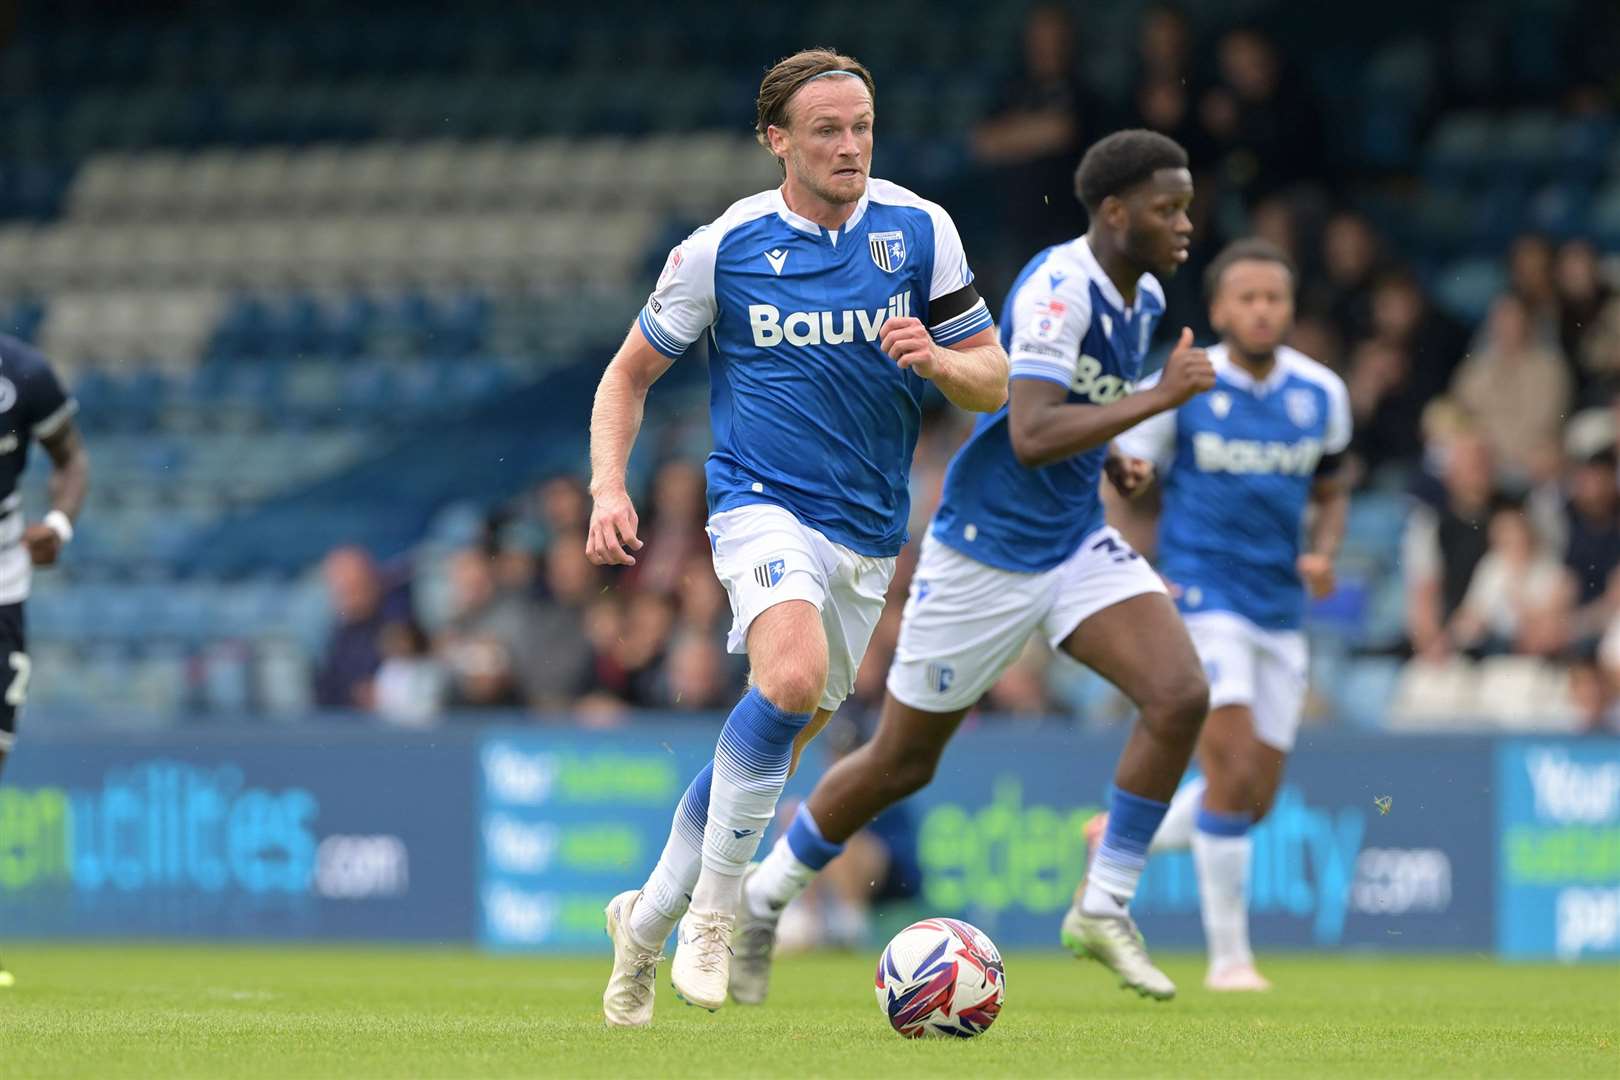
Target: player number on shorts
x,y
17,692
1118,552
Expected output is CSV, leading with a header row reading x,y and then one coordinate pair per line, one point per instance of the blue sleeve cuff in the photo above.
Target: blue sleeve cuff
x,y
658,338
1025,369
964,326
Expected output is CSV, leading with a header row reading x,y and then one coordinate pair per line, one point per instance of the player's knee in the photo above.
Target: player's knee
x,y
908,775
900,767
794,684
1179,702
1242,786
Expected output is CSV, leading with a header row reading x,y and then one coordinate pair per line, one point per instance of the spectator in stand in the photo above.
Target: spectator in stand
x,y
1582,297
1435,344
1530,278
344,678
696,674
649,620
1342,292
558,660
489,636
1443,544
563,505
412,683
1517,388
1592,550
1517,599
1043,116
1386,428
1262,122
674,529
1166,85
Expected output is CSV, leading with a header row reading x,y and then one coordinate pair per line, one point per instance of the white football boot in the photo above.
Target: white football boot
x,y
628,999
751,947
1237,977
1116,943
701,970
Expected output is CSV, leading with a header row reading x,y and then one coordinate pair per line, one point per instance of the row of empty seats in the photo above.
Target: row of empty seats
x,y
1505,692
505,248
662,172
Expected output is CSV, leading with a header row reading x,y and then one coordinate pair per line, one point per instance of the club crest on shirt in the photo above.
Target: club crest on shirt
x,y
1301,407
1048,321
8,394
888,249
1220,403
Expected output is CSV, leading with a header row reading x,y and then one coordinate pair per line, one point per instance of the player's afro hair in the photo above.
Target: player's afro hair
x,y
1120,161
1249,249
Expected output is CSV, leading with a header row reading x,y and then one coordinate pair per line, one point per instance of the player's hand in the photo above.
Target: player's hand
x,y
1187,373
1316,571
1130,475
44,544
612,534
907,340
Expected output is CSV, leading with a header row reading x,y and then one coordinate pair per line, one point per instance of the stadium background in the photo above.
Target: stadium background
x,y
333,287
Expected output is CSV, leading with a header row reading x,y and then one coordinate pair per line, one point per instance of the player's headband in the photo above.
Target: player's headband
x,y
826,74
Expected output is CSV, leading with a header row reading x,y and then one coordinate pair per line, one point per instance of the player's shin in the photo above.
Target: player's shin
x,y
1222,849
668,891
1176,830
1120,858
750,769
792,864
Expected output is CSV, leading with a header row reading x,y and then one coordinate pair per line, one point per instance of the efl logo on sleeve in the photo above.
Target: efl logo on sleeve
x,y
1048,321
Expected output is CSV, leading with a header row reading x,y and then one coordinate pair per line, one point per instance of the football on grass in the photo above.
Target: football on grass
x,y
940,977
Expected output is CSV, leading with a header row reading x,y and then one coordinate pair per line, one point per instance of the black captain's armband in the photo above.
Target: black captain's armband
x,y
1330,464
951,305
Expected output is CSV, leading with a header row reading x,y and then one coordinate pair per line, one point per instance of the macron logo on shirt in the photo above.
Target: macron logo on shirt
x,y
771,328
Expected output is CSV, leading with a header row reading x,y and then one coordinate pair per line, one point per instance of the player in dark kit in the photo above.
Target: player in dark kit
x,y
33,405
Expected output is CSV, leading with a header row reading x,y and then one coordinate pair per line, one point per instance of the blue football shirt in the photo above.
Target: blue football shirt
x,y
1067,323
1237,465
809,413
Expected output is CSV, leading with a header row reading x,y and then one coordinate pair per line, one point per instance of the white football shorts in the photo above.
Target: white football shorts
x,y
765,556
965,622
1265,670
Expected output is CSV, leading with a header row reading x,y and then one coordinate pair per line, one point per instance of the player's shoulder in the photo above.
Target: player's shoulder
x,y
759,209
1057,271
886,195
20,357
1312,371
881,192
1150,294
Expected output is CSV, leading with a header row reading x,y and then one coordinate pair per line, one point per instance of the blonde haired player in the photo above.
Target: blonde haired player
x,y
830,303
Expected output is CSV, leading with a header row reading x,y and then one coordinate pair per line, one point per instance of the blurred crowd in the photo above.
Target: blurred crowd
x,y
1503,435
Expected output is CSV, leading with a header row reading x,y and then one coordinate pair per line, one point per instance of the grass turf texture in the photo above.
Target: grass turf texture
x,y
186,1011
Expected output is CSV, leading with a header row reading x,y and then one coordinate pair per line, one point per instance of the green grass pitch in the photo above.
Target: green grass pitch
x,y
188,1011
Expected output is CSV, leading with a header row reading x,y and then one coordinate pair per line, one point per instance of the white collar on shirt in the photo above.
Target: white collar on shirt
x,y
1239,376
804,224
1088,260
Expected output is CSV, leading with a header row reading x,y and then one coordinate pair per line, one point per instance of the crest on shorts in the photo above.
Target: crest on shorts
x,y
940,677
1300,406
888,249
769,572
